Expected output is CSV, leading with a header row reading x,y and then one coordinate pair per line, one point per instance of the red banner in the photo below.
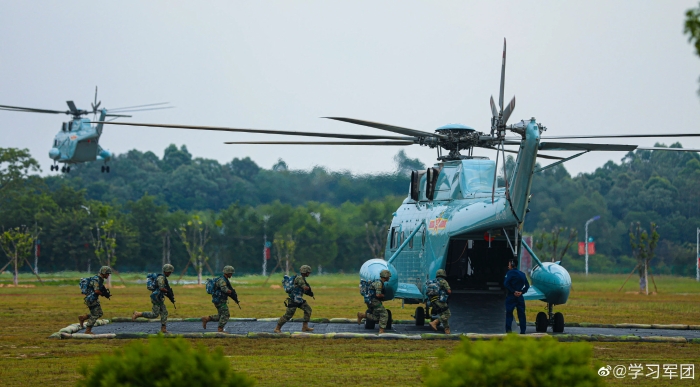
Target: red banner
x,y
267,253
582,248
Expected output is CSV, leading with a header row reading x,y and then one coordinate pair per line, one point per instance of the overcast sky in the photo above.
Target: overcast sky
x,y
578,67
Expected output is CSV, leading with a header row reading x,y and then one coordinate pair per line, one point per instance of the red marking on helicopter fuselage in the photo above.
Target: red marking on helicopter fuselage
x,y
437,224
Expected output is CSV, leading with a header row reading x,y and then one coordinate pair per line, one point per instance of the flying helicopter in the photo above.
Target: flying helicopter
x,y
456,217
77,141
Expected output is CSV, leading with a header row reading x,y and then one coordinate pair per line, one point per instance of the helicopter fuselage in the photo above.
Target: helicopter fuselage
x,y
78,142
469,228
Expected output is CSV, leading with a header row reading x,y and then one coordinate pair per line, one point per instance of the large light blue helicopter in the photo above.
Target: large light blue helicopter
x,y
78,140
456,216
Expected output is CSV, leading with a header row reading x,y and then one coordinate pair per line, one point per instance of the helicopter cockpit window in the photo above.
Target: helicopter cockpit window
x,y
477,175
392,239
410,243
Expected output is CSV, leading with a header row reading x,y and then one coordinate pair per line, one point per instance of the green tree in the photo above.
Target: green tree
x,y
643,246
15,165
692,28
195,236
405,164
17,244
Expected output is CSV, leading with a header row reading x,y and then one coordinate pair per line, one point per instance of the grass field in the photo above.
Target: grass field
x,y
28,315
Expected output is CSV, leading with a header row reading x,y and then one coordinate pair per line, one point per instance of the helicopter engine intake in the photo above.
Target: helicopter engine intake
x,y
104,155
54,153
370,272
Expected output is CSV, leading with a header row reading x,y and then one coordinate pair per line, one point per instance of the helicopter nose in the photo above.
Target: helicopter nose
x,y
54,153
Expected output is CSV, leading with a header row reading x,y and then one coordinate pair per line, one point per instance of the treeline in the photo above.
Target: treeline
x,y
335,220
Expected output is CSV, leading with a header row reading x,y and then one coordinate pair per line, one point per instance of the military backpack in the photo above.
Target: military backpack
x,y
86,285
434,291
210,285
295,293
367,291
152,281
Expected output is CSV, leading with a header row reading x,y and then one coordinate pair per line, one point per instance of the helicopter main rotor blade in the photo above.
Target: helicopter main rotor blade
x,y
564,146
621,136
140,110
114,115
516,152
398,143
264,131
72,107
660,148
390,128
493,108
140,106
503,76
508,110
31,110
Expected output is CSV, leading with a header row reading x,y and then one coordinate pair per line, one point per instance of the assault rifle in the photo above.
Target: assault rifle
x,y
309,292
233,294
169,292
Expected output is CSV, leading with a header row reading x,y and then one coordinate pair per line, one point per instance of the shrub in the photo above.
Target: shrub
x,y
514,362
163,362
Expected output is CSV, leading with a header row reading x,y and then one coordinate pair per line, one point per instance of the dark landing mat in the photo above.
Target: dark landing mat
x,y
244,327
477,312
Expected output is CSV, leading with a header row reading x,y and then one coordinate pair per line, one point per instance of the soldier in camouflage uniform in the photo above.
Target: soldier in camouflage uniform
x,y
376,309
441,308
301,286
92,300
220,297
158,299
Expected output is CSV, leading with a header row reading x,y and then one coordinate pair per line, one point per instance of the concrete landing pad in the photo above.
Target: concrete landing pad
x,y
245,327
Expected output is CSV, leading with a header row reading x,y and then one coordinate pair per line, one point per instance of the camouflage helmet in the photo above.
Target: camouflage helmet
x,y
385,274
228,269
441,273
105,270
168,268
305,269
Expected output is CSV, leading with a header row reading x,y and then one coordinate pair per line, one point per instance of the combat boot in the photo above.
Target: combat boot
x,y
279,328
381,330
221,330
305,327
205,320
82,319
136,315
360,316
163,330
88,331
447,331
433,324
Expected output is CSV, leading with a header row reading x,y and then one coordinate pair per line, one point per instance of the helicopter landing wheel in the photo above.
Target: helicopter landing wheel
x,y
67,169
107,168
63,169
102,169
558,326
390,320
541,322
420,316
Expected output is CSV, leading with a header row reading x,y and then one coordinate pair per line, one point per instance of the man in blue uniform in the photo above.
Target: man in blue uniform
x,y
517,285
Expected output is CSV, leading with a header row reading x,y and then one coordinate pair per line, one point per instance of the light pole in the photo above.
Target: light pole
x,y
697,254
593,219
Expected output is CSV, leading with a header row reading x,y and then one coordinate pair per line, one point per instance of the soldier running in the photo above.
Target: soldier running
x,y
296,300
220,297
376,310
158,299
440,307
92,300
